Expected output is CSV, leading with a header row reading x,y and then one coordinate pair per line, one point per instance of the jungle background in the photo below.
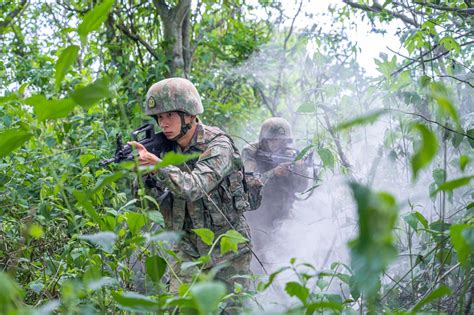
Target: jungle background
x,y
387,224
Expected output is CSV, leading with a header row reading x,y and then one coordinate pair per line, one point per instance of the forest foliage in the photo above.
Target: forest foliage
x,y
74,75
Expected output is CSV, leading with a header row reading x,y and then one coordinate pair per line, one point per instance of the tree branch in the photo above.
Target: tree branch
x,y
377,8
135,37
12,15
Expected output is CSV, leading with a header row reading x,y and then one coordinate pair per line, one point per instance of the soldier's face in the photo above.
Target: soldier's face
x,y
170,124
276,145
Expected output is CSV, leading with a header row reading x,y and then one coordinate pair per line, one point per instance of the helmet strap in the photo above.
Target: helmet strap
x,y
184,127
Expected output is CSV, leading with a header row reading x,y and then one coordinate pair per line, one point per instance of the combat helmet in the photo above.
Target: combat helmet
x,y
276,128
173,95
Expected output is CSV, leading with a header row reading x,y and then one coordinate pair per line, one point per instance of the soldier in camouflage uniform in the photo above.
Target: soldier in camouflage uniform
x,y
206,192
281,180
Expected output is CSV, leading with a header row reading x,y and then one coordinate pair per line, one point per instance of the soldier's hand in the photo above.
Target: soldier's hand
x,y
282,170
299,165
145,158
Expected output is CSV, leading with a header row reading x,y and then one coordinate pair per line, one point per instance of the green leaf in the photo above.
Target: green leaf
x,y
374,247
463,245
470,132
86,158
83,199
207,296
425,80
450,44
206,235
361,120
173,158
436,294
107,179
230,241
296,289
134,302
327,157
65,61
135,221
105,240
11,139
94,19
36,231
441,95
413,218
304,152
453,184
155,268
91,94
463,161
427,151
50,109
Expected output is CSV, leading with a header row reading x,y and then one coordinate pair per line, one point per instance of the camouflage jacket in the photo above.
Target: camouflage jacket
x,y
206,192
278,191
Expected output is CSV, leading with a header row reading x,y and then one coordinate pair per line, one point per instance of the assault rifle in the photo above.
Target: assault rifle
x,y
155,143
275,159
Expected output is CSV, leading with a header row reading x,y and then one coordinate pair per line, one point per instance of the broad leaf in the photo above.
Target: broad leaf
x,y
135,221
134,302
230,241
91,94
173,158
327,157
94,19
207,296
427,150
296,289
11,139
155,268
50,109
453,184
361,120
65,61
436,294
105,240
206,235
374,247
463,242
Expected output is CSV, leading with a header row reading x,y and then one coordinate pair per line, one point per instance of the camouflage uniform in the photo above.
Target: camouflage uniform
x,y
206,192
278,191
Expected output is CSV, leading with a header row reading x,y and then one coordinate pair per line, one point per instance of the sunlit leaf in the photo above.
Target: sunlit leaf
x,y
11,139
206,235
91,94
86,158
436,294
314,308
155,267
230,241
427,151
84,199
36,231
173,158
463,161
135,221
207,296
361,120
94,19
50,109
134,302
65,61
107,179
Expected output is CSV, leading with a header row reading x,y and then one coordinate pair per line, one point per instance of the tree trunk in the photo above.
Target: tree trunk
x,y
177,37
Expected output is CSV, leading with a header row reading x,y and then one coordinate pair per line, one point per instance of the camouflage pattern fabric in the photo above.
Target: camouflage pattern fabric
x,y
173,94
203,193
275,128
278,193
